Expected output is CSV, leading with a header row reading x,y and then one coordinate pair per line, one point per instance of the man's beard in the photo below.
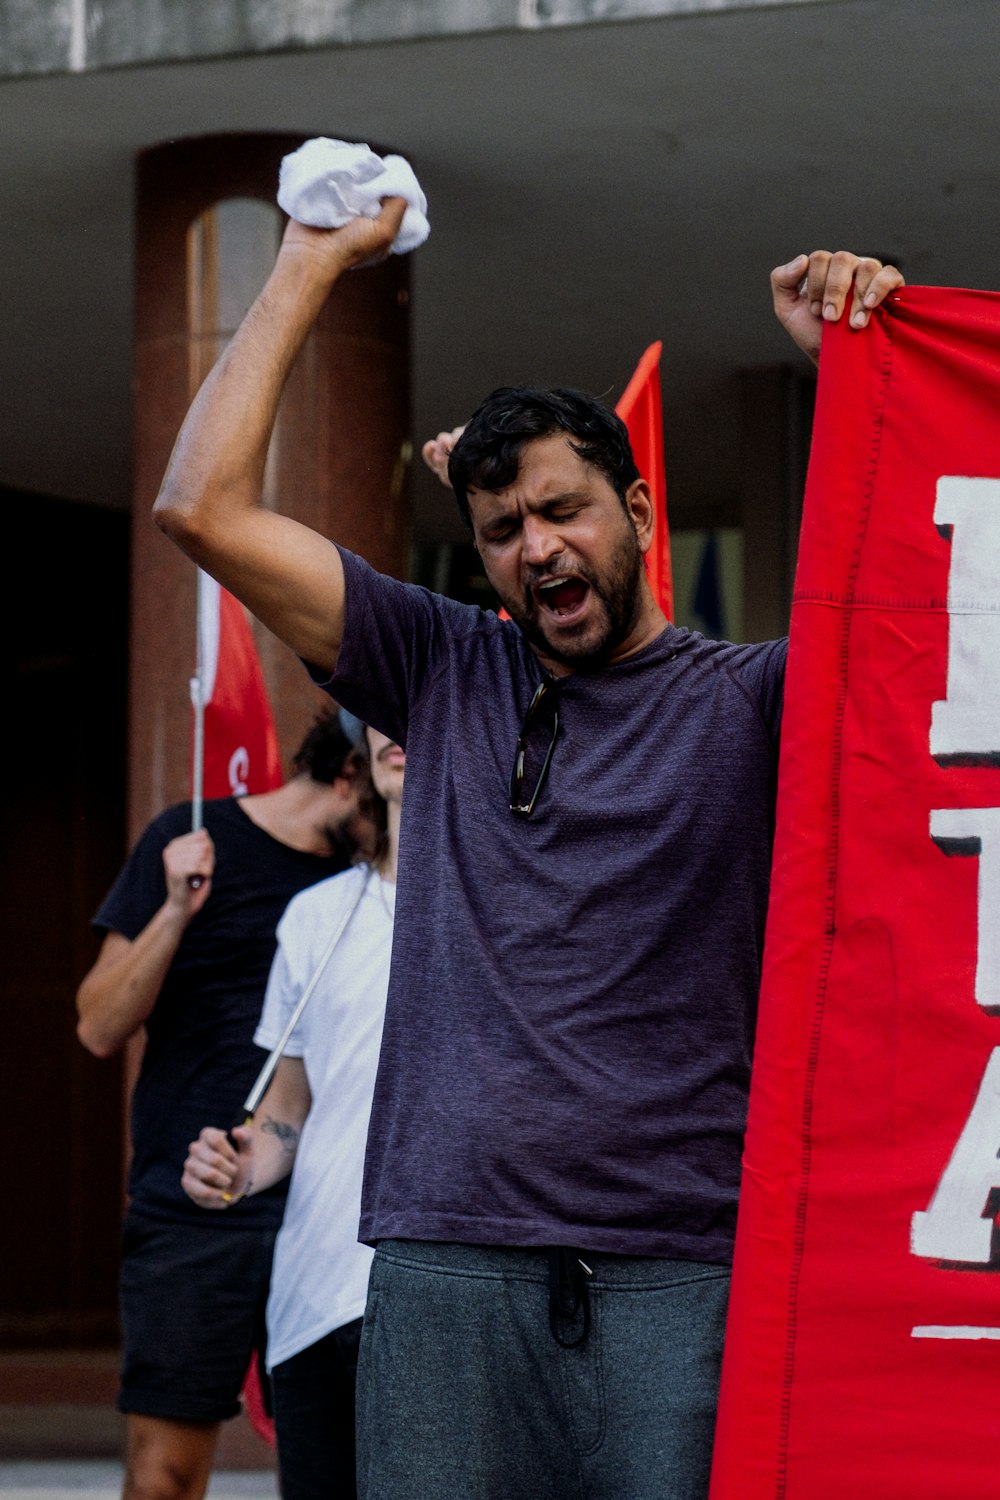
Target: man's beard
x,y
357,834
344,841
617,590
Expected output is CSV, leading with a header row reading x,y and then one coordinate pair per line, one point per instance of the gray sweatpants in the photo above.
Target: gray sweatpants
x,y
466,1393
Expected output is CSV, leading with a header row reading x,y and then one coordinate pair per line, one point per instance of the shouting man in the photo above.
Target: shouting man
x,y
554,1153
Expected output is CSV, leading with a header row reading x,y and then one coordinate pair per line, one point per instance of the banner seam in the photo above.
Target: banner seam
x,y
890,601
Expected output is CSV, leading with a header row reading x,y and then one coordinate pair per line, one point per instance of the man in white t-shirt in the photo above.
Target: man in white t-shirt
x,y
315,1117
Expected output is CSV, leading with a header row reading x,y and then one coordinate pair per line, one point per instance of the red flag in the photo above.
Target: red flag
x,y
864,1339
254,1406
241,751
641,409
240,755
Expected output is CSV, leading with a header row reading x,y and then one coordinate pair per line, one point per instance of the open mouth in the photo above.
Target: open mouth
x,y
562,597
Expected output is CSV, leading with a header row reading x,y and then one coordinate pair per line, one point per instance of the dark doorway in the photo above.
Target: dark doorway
x,y
62,794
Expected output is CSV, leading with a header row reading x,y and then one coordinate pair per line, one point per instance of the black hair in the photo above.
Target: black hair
x,y
377,809
326,752
488,454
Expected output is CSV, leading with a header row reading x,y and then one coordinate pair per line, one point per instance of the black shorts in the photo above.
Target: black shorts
x,y
192,1299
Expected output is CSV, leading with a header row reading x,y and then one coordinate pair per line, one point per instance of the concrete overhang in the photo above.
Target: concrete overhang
x,y
591,187
81,35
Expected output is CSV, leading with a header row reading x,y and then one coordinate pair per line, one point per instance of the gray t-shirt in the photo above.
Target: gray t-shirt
x,y
567,1047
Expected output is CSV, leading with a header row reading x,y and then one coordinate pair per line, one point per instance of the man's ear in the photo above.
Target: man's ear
x,y
345,782
639,504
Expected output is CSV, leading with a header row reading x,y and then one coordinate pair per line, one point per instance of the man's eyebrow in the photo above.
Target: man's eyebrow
x,y
557,499
503,517
566,495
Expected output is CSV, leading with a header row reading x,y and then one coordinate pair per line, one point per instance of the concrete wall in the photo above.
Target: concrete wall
x,y
59,36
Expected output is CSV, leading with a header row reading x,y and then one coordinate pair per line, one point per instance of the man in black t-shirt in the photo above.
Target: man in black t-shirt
x,y
189,963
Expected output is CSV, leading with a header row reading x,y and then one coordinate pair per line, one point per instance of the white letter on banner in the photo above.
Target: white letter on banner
x,y
976,830
239,770
958,1226
965,726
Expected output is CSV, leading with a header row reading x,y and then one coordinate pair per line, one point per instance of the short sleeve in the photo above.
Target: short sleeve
x,y
397,637
304,934
283,990
768,669
760,671
141,887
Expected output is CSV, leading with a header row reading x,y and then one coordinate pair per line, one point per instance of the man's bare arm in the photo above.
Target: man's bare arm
x,y
210,502
118,994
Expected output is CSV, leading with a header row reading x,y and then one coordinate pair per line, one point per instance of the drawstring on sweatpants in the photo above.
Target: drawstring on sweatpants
x,y
568,1298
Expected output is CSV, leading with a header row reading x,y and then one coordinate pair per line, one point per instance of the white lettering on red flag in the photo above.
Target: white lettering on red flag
x,y
241,752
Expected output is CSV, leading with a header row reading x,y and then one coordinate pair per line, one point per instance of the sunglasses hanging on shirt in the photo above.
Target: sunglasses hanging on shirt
x,y
535,744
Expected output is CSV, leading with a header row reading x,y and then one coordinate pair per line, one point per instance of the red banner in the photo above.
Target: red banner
x,y
863,1353
641,409
241,746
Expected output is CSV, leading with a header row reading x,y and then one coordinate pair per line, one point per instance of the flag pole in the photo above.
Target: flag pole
x,y
198,700
264,1078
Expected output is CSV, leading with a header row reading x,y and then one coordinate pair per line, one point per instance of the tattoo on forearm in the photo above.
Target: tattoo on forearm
x,y
287,1134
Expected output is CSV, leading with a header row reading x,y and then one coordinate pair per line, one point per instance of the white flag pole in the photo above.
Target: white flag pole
x,y
198,700
267,1072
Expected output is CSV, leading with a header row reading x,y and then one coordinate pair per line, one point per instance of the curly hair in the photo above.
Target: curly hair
x,y
488,454
325,752
328,752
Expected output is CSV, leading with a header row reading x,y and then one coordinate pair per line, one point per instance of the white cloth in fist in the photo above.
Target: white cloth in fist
x,y
326,183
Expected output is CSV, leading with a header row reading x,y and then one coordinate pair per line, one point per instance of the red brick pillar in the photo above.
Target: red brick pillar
x,y
207,229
